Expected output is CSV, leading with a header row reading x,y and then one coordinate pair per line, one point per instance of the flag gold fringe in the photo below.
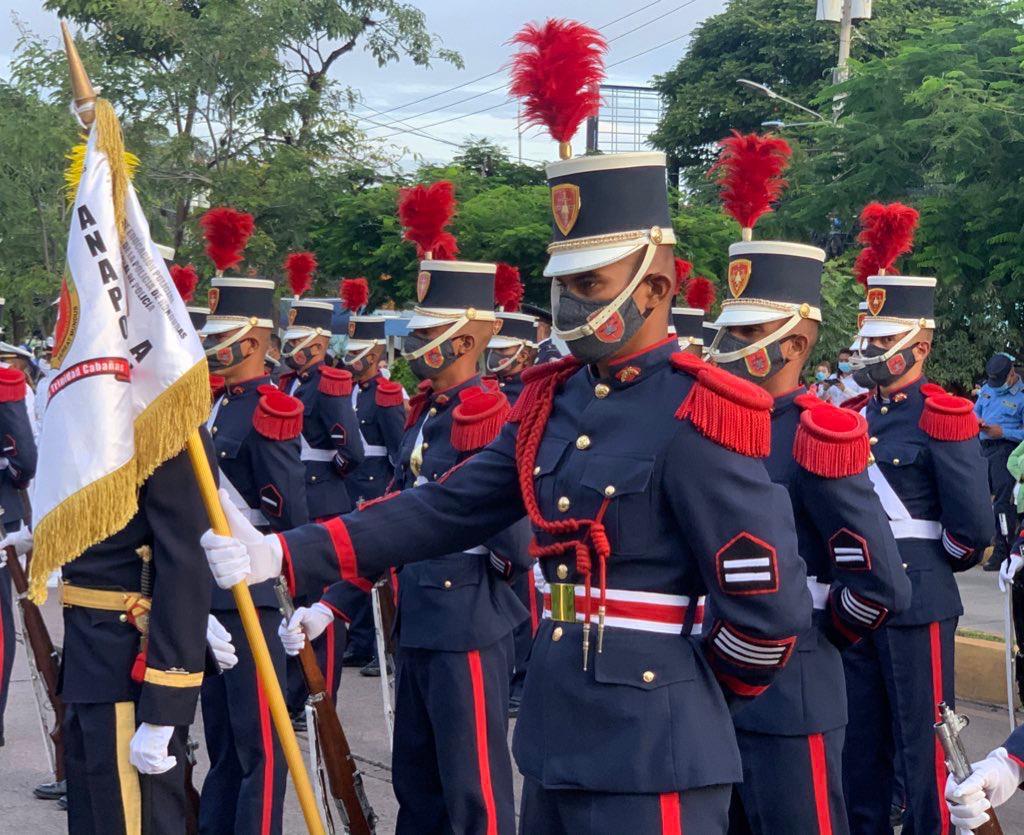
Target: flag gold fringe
x,y
104,507
76,167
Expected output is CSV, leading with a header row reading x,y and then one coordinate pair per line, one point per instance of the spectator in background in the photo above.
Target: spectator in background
x,y
822,379
843,386
1000,411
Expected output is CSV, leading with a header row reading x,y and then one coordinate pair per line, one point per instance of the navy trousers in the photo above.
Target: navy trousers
x,y
703,811
523,634
362,637
451,767
791,784
244,789
6,642
106,795
895,678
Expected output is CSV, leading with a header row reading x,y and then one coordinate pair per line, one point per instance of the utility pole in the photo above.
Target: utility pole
x,y
842,71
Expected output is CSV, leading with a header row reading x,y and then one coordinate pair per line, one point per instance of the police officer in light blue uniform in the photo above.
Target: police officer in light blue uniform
x,y
1000,410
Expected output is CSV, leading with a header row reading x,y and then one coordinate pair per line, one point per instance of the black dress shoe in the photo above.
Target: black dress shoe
x,y
371,670
62,803
513,707
51,791
350,659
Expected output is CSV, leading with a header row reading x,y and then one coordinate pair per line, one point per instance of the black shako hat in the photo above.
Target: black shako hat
x,y
234,302
770,280
897,304
450,291
516,329
688,324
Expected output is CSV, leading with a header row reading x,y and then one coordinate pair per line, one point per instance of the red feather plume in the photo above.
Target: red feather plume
x,y
355,293
299,267
887,232
700,293
424,211
683,270
749,171
226,232
556,73
508,288
446,247
185,279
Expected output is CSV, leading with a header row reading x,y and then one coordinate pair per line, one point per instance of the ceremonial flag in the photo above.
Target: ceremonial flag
x,y
131,379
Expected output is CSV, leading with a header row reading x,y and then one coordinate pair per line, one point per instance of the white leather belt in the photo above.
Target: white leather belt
x,y
310,454
915,529
666,614
819,592
479,549
374,451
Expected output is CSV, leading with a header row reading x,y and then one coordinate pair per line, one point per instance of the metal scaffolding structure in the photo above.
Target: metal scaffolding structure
x,y
627,117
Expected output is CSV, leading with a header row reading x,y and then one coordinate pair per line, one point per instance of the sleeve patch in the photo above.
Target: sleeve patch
x,y
746,651
270,498
861,610
338,435
746,565
10,446
954,548
849,551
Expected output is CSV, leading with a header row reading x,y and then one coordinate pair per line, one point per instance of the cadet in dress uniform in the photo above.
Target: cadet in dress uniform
x,y
18,462
380,409
791,738
255,431
931,478
636,466
688,327
456,611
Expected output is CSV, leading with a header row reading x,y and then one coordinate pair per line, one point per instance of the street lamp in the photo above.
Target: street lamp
x,y
768,91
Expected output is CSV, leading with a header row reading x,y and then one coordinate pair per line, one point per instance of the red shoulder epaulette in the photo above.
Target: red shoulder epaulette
x,y
831,442
533,378
947,417
731,412
335,382
857,402
478,418
268,388
12,385
418,402
389,393
217,384
278,416
932,390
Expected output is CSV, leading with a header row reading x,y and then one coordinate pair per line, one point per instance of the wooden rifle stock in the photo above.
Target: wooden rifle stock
x,y
43,653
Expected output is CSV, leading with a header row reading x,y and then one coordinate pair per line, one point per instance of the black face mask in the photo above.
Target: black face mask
x,y
219,359
883,373
501,365
356,366
756,367
434,361
298,360
570,312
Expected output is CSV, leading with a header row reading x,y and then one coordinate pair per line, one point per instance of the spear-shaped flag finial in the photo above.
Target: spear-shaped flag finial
x,y
82,90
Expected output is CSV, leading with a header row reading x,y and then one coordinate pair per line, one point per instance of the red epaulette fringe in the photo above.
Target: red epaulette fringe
x,y
831,442
478,419
335,382
730,411
534,379
278,416
389,393
949,418
12,385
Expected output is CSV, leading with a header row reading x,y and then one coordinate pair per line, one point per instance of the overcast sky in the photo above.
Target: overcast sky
x,y
478,31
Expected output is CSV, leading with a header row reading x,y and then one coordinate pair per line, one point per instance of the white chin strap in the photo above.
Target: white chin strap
x,y
304,343
360,355
590,327
508,360
858,362
227,343
753,347
459,324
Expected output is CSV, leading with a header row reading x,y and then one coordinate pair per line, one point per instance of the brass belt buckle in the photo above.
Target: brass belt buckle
x,y
563,602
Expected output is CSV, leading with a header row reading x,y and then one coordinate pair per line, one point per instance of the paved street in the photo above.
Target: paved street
x,y
22,762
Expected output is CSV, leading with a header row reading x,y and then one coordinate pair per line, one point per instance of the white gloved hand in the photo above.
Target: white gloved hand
x,y
1008,570
992,782
304,622
245,556
148,749
20,540
219,640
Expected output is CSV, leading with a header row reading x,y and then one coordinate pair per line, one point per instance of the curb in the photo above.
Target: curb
x,y
981,670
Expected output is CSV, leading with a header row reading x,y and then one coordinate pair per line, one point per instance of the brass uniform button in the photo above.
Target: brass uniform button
x,y
884,410
223,454
895,460
312,478
563,504
447,584
432,411
904,565
601,391
556,633
123,618
872,440
871,459
583,442
213,431
224,402
425,445
536,470
562,571
648,676
609,491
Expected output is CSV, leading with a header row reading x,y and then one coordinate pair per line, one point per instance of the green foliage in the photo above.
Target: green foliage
x,y
401,373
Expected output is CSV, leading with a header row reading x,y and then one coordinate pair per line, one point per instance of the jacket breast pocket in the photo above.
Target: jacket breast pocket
x,y
452,573
624,482
897,454
643,660
545,475
228,447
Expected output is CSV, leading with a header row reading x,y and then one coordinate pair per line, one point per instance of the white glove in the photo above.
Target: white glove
x,y
20,540
246,556
219,640
992,782
148,749
1007,571
305,622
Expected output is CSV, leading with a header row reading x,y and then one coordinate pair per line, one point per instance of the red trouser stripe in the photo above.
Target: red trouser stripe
x,y
819,779
531,590
671,814
483,757
266,735
940,759
329,646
